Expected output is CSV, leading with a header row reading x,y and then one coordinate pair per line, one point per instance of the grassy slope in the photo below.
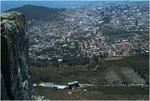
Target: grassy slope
x,y
95,93
139,63
66,73
85,75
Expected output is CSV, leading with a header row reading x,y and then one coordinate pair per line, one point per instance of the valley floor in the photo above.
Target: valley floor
x,y
114,71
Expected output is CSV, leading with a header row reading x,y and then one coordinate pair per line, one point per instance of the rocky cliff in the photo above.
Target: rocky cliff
x,y
14,57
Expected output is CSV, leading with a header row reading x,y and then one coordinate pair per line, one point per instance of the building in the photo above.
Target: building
x,y
74,84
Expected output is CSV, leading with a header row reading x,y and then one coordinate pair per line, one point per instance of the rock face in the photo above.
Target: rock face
x,y
14,57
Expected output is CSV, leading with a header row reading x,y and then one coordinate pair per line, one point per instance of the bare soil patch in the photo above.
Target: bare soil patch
x,y
132,76
113,58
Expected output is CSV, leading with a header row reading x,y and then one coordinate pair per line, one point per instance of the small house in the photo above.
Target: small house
x,y
74,84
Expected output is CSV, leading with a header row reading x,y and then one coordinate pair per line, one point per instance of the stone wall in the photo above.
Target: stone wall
x,y
14,57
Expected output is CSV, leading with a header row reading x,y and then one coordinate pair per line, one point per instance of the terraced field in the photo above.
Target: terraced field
x,y
124,74
132,76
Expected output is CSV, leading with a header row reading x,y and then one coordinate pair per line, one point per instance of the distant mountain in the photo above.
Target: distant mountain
x,y
39,12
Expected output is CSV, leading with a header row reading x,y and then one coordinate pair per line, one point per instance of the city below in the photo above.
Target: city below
x,y
90,51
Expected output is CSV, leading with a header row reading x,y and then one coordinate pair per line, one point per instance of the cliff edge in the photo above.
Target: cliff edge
x,y
14,58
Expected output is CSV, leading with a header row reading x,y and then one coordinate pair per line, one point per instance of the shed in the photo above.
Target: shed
x,y
73,84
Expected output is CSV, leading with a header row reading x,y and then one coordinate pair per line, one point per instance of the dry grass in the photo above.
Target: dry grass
x,y
95,93
111,76
113,58
132,76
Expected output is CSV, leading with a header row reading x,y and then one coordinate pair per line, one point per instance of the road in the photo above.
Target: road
x,y
59,86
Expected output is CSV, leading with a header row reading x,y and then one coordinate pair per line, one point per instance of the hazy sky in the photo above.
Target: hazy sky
x,y
75,0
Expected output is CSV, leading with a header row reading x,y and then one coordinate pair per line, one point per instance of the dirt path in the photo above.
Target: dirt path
x,y
113,58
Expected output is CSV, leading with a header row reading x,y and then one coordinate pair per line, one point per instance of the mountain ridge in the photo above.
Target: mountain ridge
x,y
39,12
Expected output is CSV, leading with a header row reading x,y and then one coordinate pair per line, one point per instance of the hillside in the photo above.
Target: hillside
x,y
113,71
39,12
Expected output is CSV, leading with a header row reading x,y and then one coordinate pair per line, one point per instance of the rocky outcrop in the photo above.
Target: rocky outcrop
x,y
14,57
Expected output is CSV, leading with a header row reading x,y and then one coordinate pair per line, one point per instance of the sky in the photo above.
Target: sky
x,y
8,4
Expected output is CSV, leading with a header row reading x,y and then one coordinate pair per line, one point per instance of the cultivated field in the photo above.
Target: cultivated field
x,y
132,76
